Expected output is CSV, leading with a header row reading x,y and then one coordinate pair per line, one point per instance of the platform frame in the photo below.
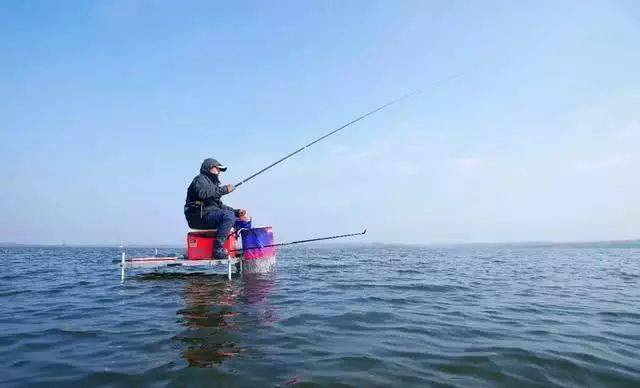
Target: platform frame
x,y
179,261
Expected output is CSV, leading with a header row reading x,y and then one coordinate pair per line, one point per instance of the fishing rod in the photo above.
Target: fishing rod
x,y
327,135
346,125
301,241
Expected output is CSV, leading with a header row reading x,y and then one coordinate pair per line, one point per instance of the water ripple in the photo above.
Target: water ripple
x,y
352,316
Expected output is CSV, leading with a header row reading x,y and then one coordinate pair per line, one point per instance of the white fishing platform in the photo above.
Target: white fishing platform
x,y
175,261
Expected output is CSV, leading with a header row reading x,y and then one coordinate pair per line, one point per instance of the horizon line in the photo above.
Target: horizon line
x,y
5,244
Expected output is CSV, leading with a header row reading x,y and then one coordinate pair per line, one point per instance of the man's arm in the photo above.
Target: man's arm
x,y
206,189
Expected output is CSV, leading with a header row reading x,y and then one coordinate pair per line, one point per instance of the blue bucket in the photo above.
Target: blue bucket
x,y
256,243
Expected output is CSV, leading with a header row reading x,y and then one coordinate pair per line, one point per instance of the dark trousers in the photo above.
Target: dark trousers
x,y
221,220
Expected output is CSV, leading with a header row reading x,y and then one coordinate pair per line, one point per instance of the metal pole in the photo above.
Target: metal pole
x,y
122,265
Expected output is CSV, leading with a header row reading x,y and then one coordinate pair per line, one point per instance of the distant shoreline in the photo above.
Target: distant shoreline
x,y
523,244
21,245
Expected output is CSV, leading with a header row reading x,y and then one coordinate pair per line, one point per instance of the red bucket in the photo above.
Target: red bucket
x,y
200,244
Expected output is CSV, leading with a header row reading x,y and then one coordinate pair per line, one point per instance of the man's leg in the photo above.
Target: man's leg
x,y
227,219
222,221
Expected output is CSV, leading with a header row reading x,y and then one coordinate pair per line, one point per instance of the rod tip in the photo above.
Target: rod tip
x,y
365,231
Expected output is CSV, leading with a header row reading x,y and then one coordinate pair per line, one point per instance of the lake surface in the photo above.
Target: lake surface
x,y
329,315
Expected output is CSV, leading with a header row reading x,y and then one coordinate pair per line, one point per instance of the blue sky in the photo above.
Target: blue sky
x,y
108,108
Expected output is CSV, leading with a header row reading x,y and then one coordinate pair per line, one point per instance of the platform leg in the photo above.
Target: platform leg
x,y
229,267
241,269
122,265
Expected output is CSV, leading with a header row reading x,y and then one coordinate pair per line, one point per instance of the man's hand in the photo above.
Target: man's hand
x,y
230,188
242,214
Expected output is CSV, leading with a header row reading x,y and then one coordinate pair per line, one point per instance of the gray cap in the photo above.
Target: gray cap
x,y
209,163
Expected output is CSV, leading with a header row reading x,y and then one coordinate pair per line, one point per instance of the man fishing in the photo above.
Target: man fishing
x,y
204,209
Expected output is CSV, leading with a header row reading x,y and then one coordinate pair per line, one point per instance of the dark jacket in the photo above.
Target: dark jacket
x,y
203,196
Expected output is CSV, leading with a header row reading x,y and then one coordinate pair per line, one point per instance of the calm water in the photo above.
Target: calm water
x,y
359,316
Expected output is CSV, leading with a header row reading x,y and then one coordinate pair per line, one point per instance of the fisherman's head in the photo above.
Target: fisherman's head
x,y
212,166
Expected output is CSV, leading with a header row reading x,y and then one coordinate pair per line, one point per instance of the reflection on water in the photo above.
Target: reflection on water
x,y
207,316
256,292
216,313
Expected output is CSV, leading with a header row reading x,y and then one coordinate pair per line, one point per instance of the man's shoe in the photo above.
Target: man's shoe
x,y
219,252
